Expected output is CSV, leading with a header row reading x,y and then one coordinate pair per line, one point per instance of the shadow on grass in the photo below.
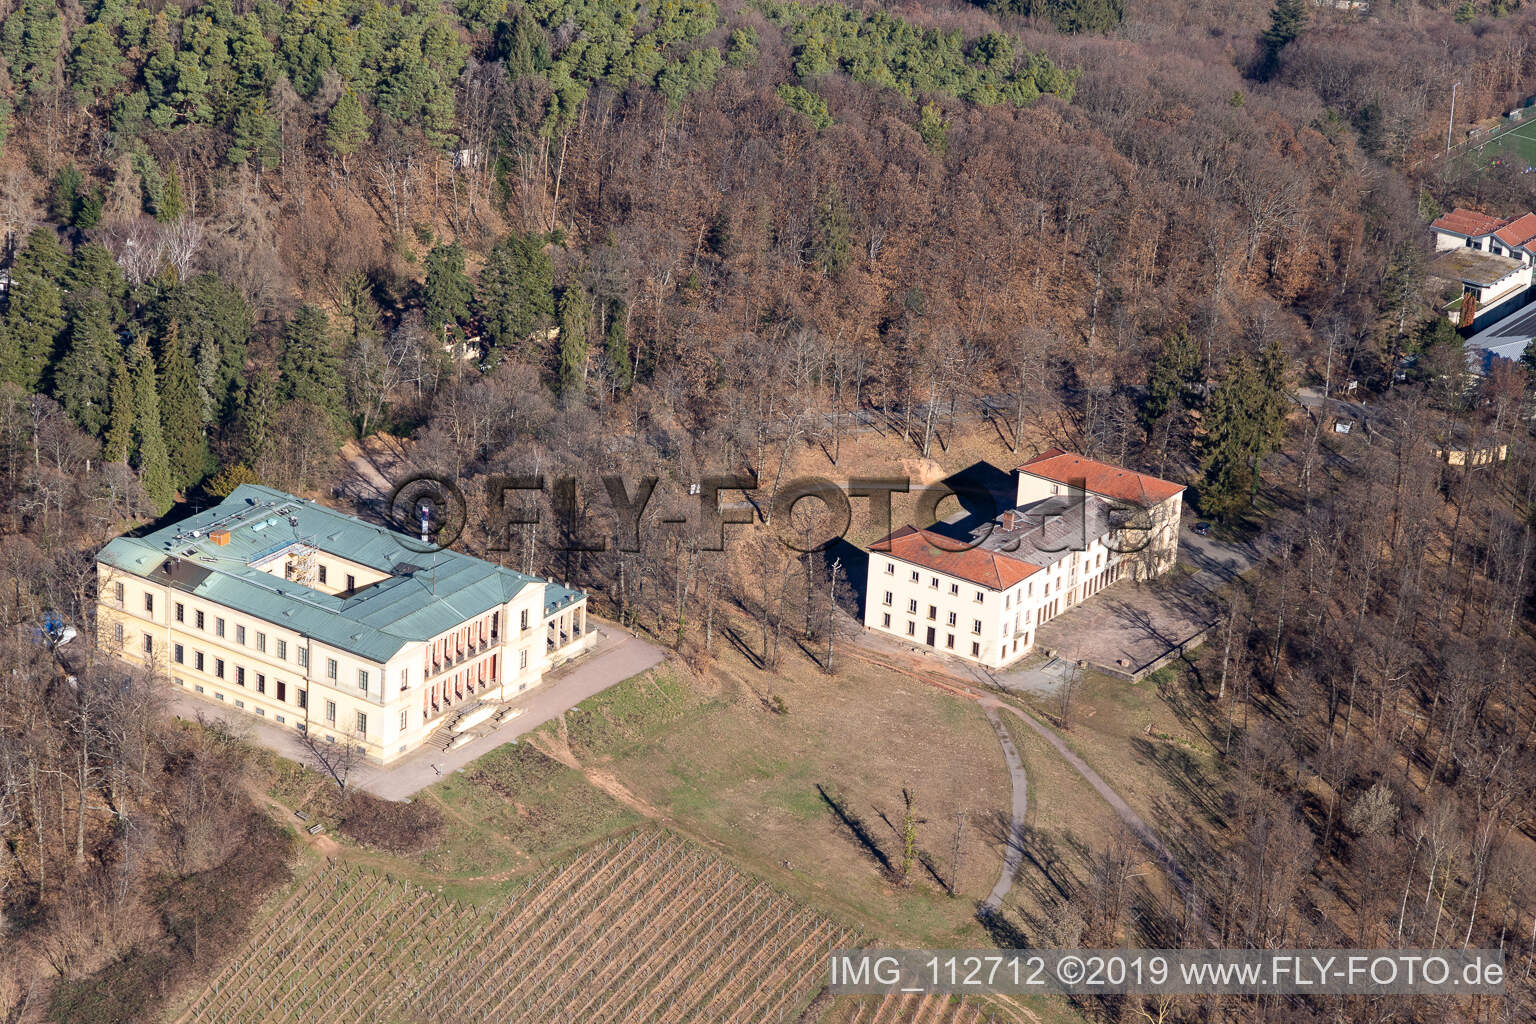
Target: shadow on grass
x,y
856,826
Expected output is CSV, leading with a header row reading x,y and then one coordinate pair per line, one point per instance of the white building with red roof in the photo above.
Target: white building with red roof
x,y
981,592
1491,258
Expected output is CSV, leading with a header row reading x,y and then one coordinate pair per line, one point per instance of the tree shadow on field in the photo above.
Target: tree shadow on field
x,y
741,645
855,825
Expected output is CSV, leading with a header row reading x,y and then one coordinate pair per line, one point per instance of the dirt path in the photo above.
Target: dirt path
x,y
1127,813
373,467
1013,856
558,747
1134,821
321,843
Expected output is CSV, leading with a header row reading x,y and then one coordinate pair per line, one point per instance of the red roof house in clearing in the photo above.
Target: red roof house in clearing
x,y
1467,222
1100,478
951,557
1518,232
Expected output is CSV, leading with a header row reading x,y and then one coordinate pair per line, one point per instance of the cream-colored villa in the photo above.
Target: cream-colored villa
x,y
316,621
1078,526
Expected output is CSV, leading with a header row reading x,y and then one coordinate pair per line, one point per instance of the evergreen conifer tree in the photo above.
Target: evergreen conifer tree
x,y
258,409
575,309
181,413
152,460
34,316
1286,20
447,294
310,369
516,291
616,346
118,443
346,126
82,382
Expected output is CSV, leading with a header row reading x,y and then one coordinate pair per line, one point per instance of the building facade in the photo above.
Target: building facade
x,y
1491,258
313,620
981,592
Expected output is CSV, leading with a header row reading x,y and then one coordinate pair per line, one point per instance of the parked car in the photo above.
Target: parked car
x,y
1203,529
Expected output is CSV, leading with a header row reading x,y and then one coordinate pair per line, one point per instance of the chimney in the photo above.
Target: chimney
x,y
1008,520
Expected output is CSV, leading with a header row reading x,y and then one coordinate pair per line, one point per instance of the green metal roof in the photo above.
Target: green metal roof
x,y
427,593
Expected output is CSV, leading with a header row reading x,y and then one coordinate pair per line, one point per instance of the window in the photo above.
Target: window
x,y
912,606
282,691
911,628
117,633
149,603
149,644
951,618
218,627
239,675
197,660
197,619
330,711
303,697
322,573
524,619
888,597
261,641
522,659
261,683
1007,601
933,613
916,576
1003,653
239,703
933,582
949,641
117,592
954,588
890,568
240,635
282,650
975,650
976,626
362,679
351,582
885,620
217,695
405,679
303,655
980,597
362,724
218,667
330,668
403,717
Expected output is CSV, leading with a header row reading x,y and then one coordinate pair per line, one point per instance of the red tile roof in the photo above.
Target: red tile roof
x,y
1100,478
954,558
1467,222
1518,231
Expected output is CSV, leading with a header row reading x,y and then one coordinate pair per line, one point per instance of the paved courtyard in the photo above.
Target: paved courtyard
x,y
617,656
1129,626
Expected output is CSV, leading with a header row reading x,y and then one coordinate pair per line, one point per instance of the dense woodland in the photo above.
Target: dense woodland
x,y
692,235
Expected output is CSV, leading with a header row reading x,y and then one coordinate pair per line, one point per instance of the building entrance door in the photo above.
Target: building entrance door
x,y
930,636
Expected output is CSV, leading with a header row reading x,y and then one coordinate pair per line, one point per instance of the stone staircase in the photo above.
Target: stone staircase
x,y
470,722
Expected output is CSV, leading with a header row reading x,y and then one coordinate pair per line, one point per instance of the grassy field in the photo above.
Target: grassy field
x,y
1517,145
1138,736
812,798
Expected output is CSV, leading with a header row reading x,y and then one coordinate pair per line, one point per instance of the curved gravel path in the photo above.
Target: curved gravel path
x,y
1013,855
1133,820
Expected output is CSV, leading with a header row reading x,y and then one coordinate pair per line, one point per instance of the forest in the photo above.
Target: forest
x,y
685,236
